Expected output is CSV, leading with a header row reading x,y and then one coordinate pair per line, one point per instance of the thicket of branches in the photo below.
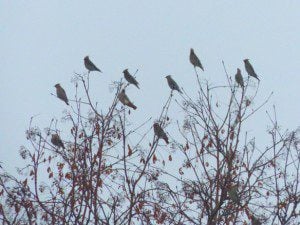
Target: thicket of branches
x,y
99,177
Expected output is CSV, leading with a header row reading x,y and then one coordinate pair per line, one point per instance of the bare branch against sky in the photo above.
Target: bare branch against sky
x,y
244,128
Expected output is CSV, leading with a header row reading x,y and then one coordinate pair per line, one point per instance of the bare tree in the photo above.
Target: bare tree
x,y
104,171
224,177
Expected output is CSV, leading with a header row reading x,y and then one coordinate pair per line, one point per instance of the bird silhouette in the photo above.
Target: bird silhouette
x,y
195,60
125,100
255,221
55,140
172,84
159,132
250,70
130,79
61,94
233,194
239,78
89,65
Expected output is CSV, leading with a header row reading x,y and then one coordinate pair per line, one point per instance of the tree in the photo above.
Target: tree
x,y
225,178
102,178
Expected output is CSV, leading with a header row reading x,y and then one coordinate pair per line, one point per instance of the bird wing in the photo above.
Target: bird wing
x,y
160,133
65,98
62,94
173,85
131,79
176,87
128,102
91,66
125,100
195,60
250,69
239,79
121,98
94,66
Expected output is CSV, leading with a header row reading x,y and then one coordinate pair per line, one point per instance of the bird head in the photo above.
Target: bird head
x,y
126,70
54,136
123,91
168,77
57,85
192,50
86,58
246,60
155,125
238,70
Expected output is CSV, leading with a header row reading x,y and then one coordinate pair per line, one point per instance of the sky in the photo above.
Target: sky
x,y
44,43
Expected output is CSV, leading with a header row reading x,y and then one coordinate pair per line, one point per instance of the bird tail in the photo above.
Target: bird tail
x,y
166,140
132,106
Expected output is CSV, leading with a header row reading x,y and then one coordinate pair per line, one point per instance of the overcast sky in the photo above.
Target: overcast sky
x,y
44,42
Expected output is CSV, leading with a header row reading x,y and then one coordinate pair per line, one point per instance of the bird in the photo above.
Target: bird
x,y
89,65
159,132
255,221
61,94
239,78
172,84
195,60
250,70
55,140
130,79
233,194
125,100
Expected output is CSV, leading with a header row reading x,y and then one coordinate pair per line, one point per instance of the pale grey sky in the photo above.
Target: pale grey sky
x,y
44,42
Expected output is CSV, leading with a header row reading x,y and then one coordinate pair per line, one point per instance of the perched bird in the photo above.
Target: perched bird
x,y
159,132
130,79
125,100
61,94
55,140
89,65
172,84
255,221
195,60
233,194
249,69
239,78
